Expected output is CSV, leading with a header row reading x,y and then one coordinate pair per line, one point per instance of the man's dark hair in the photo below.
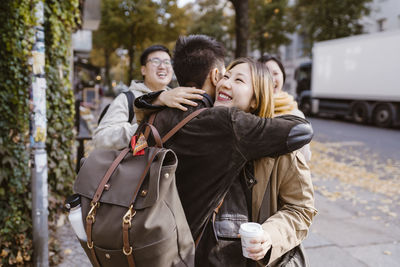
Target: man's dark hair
x,y
267,57
194,57
151,49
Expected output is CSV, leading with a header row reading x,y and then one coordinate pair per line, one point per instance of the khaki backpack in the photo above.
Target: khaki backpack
x,y
131,209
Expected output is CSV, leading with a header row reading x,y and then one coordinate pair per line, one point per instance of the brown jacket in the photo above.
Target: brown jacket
x,y
283,198
213,148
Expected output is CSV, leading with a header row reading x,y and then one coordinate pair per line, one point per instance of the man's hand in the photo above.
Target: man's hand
x,y
261,246
179,96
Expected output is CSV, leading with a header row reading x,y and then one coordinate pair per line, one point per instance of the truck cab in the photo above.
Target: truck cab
x,y
303,88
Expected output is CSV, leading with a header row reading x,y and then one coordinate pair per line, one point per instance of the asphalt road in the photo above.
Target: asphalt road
x,y
356,175
385,142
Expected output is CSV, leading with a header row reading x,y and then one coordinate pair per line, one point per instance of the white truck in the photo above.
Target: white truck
x,y
357,77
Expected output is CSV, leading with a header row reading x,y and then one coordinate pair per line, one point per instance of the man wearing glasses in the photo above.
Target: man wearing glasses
x,y
115,130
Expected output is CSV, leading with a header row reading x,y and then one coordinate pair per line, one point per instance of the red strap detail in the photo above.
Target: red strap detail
x,y
138,145
141,144
133,141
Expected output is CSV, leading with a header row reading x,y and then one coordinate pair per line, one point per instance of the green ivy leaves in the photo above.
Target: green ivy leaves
x,y
17,36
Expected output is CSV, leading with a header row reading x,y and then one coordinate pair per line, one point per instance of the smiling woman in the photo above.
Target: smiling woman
x,y
235,89
268,191
246,85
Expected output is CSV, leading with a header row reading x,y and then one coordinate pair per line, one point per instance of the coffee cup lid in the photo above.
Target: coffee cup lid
x,y
250,229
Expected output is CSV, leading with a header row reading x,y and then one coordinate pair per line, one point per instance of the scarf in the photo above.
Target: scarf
x,y
284,103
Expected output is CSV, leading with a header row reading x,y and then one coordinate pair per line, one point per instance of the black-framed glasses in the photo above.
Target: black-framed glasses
x,y
155,61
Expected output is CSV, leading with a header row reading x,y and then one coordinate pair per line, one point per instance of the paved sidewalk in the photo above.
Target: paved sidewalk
x,y
342,235
72,252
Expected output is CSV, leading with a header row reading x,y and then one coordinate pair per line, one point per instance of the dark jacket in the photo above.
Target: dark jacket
x,y
213,148
281,199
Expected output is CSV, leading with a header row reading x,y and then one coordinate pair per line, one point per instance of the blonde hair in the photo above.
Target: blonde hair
x,y
262,86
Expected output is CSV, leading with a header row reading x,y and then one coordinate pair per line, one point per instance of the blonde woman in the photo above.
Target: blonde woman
x,y
275,192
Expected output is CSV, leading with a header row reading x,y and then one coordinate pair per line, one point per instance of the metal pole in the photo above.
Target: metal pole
x,y
38,144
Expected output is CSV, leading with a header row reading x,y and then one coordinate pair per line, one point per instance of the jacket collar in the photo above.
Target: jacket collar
x,y
207,100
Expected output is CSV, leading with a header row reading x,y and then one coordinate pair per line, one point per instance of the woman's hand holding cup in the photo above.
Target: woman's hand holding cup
x,y
255,241
261,246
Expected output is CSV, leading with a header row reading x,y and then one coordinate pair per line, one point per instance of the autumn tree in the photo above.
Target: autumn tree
x,y
105,39
321,20
136,24
173,22
213,18
270,24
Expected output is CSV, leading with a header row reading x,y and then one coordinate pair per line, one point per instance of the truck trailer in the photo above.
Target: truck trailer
x,y
356,77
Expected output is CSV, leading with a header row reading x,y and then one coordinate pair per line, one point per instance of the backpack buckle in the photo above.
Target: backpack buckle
x,y
128,216
92,213
127,253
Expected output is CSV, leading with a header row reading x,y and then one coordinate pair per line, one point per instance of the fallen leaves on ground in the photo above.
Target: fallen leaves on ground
x,y
330,160
353,165
67,251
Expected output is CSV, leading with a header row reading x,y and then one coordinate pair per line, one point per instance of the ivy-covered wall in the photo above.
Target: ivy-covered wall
x,y
16,39
61,18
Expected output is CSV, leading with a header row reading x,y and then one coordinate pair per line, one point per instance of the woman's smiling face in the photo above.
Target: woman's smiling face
x,y
277,75
235,89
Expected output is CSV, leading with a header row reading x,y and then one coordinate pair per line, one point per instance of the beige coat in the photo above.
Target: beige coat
x,y
289,206
285,104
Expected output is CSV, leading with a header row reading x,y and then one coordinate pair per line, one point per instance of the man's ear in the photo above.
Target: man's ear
x,y
214,76
143,70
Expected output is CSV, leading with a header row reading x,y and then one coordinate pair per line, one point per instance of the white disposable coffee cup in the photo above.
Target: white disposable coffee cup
x,y
247,232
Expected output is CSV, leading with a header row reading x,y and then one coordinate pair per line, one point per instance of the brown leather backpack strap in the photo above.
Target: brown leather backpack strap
x,y
126,225
155,133
151,121
152,118
126,220
108,174
181,124
94,258
90,219
146,169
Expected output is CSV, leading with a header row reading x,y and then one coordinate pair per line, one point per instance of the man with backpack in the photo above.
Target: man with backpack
x,y
213,148
117,122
